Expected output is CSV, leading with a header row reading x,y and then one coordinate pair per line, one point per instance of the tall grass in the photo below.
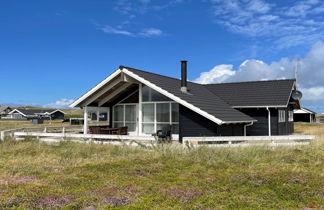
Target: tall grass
x,y
71,175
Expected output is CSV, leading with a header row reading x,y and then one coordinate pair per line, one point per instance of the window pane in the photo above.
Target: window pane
x,y
156,96
175,129
149,94
146,96
131,126
92,115
103,116
119,113
148,112
163,112
175,112
148,128
130,113
118,124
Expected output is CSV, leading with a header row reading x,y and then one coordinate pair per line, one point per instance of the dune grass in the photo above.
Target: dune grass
x,y
71,175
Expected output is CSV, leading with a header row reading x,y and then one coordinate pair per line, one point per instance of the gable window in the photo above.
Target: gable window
x,y
290,116
148,95
282,116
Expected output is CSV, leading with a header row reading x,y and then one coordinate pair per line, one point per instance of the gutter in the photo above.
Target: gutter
x,y
269,121
250,124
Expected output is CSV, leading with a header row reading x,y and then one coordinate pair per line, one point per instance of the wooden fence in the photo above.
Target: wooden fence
x,y
235,141
49,129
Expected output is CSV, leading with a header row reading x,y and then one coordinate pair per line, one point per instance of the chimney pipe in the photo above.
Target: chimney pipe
x,y
184,87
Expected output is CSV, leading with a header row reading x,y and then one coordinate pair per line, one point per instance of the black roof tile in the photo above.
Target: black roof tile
x,y
199,96
258,93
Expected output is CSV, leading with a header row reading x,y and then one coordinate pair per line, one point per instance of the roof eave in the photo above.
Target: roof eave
x,y
77,102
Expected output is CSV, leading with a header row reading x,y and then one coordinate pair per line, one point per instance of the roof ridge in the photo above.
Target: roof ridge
x,y
255,81
127,67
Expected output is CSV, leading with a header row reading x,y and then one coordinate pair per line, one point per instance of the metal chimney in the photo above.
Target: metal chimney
x,y
184,87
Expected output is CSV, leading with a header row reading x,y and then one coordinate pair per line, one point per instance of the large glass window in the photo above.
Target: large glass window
x,y
119,113
163,112
160,116
175,112
148,112
130,113
149,94
125,115
148,128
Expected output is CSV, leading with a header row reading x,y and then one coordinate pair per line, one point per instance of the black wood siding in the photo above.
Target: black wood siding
x,y
260,128
192,124
304,117
57,116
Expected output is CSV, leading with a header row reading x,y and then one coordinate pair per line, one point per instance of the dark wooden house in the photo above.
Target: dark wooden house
x,y
146,102
29,114
304,115
4,110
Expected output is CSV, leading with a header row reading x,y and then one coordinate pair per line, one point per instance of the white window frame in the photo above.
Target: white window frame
x,y
155,113
290,116
124,115
282,116
97,111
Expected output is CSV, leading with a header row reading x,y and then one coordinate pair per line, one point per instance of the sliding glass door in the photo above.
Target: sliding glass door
x,y
126,115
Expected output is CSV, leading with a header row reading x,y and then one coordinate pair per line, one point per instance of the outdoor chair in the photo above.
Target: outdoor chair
x,y
164,135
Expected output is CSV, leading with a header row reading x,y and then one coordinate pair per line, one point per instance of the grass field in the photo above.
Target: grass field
x,y
11,124
70,175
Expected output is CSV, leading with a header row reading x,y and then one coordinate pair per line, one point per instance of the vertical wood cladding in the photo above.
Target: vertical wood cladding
x,y
57,116
193,124
260,128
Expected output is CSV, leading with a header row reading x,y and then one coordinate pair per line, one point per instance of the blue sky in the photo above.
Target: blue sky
x,y
54,50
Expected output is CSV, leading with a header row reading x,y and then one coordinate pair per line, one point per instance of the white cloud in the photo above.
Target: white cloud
x,y
132,8
62,103
149,32
299,24
219,73
112,30
310,73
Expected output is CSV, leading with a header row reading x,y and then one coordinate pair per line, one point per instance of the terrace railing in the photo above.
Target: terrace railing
x,y
236,141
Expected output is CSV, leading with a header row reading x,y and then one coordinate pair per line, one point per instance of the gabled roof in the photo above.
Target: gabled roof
x,y
32,112
303,111
199,99
3,108
198,96
270,93
216,102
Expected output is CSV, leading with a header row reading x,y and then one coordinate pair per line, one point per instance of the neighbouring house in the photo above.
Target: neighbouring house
x,y
4,110
304,115
29,114
147,102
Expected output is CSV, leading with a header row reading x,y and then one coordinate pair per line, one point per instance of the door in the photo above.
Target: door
x,y
131,118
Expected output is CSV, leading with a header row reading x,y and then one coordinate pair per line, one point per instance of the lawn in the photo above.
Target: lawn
x,y
71,175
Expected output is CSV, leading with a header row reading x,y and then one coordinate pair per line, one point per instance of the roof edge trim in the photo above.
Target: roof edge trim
x,y
98,86
17,111
173,97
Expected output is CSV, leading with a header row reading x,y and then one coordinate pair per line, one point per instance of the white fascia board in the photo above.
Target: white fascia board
x,y
292,89
98,86
173,97
302,111
57,110
232,122
276,106
17,111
